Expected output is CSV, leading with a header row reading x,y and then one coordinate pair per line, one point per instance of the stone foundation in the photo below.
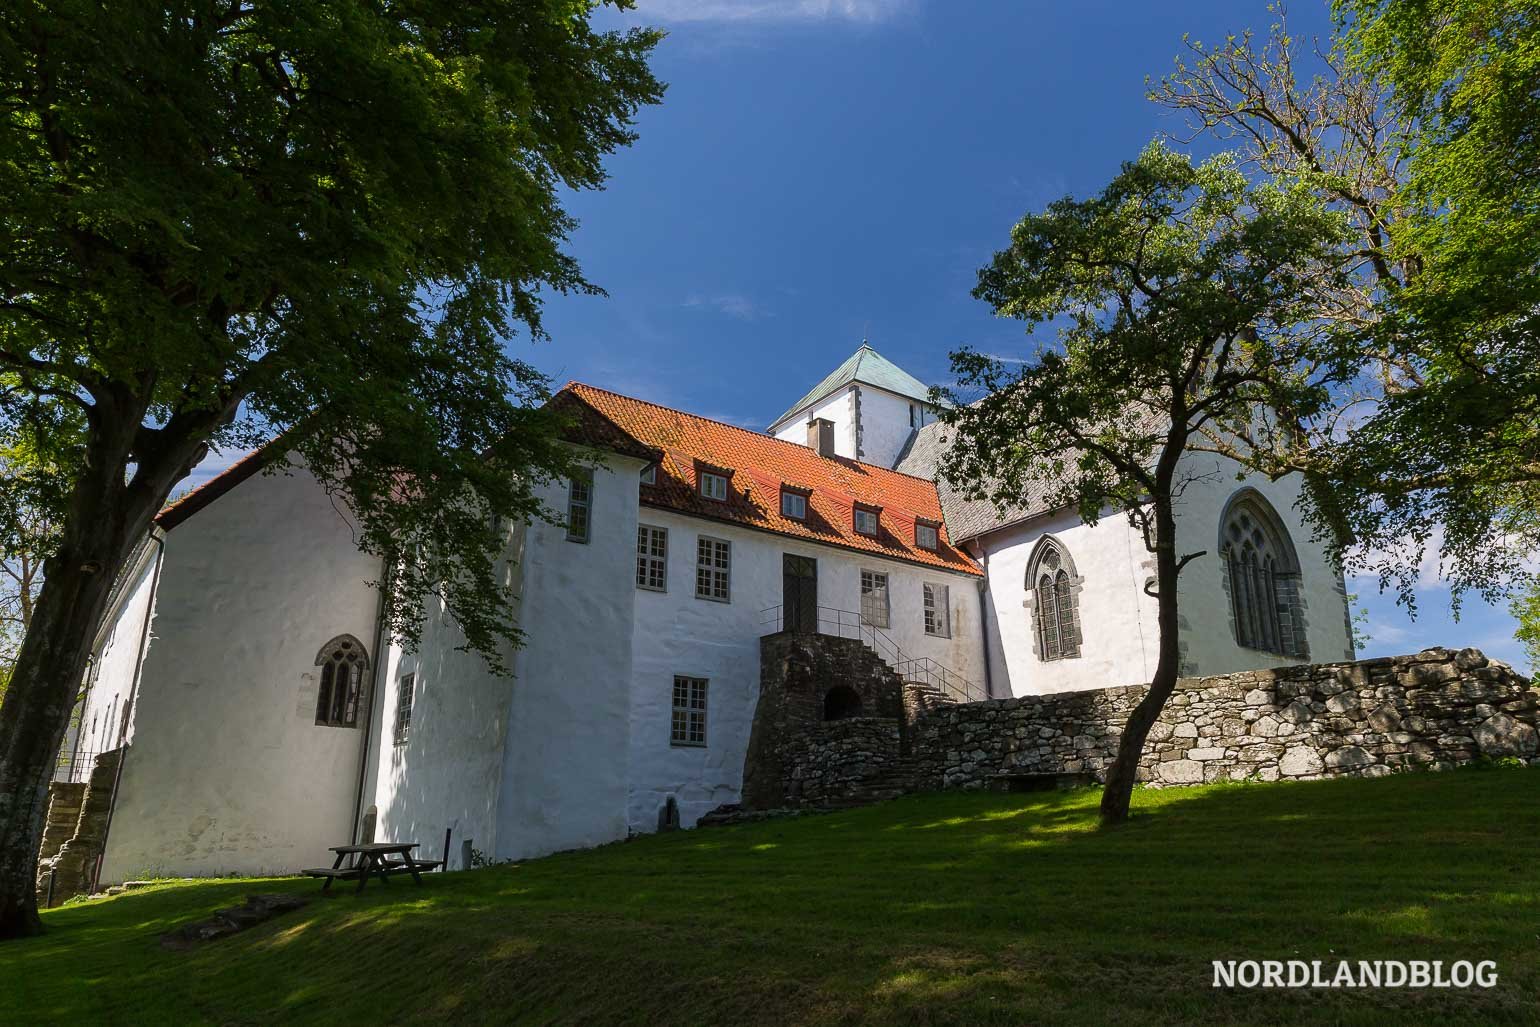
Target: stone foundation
x,y
1437,708
72,865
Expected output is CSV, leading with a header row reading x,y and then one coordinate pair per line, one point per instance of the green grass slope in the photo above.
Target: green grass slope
x,y
941,909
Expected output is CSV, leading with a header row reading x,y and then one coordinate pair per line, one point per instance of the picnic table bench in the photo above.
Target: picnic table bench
x,y
380,859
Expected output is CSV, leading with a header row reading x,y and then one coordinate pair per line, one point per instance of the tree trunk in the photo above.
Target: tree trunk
x,y
107,516
1121,776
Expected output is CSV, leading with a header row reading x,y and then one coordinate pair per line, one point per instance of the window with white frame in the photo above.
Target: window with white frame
x,y
874,598
652,558
713,569
926,536
793,505
650,474
580,502
713,486
867,521
688,726
404,708
938,611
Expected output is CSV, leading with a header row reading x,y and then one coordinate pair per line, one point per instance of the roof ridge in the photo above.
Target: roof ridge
x,y
738,428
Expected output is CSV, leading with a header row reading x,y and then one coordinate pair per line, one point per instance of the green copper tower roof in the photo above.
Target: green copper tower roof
x,y
868,367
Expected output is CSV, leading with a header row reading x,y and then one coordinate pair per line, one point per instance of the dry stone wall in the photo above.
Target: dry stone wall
x,y
71,867
1437,708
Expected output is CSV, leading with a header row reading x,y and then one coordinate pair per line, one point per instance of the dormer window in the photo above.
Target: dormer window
x,y
926,536
713,486
868,521
793,504
650,474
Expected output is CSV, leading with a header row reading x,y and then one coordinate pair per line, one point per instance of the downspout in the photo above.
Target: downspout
x,y
157,536
376,694
982,556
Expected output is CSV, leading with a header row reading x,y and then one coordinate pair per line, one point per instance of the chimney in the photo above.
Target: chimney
x,y
820,436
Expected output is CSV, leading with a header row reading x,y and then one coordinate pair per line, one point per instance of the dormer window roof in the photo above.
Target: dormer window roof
x,y
712,482
794,502
868,520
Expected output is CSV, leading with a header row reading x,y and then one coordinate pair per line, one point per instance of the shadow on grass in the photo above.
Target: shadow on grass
x,y
943,908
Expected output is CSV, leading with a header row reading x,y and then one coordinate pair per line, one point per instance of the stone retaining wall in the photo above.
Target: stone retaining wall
x,y
1437,708
72,867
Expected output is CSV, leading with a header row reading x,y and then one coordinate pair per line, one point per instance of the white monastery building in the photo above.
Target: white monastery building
x,y
268,717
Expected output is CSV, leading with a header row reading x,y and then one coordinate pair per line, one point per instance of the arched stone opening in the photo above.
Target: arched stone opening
x,y
841,702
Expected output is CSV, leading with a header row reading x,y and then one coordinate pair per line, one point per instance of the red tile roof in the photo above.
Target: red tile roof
x,y
760,465
180,509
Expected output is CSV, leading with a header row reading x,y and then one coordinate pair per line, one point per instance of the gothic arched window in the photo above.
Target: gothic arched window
x,y
1262,575
343,664
1053,595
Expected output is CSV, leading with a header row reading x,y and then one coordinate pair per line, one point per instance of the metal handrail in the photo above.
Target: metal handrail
x,y
917,669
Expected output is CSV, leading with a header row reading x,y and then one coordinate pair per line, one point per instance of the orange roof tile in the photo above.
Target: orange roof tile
x,y
760,464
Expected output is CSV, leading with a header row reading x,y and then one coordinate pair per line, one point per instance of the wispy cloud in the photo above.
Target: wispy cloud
x,y
732,304
863,11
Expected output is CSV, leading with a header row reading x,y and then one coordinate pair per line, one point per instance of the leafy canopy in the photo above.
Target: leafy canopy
x,y
1184,302
321,218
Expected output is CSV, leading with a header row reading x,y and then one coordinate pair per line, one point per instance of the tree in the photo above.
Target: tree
x,y
323,220
1420,125
1187,312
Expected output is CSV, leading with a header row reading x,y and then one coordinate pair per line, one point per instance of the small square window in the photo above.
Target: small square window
x,y
926,536
650,474
688,725
713,486
867,521
794,505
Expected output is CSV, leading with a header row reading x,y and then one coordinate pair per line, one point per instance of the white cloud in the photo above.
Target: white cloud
x,y
865,11
732,304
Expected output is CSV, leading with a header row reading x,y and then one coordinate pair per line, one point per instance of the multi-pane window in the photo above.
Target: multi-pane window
x,y
688,726
938,611
652,558
343,663
404,708
713,486
1263,579
793,505
580,502
926,536
866,521
1054,603
874,598
713,569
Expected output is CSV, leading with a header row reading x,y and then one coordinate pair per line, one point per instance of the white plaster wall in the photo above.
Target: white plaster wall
x,y
564,763
1207,635
677,633
1118,622
1121,636
117,658
447,774
837,408
885,428
229,772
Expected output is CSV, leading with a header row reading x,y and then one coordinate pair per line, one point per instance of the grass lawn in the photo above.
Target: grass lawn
x,y
961,908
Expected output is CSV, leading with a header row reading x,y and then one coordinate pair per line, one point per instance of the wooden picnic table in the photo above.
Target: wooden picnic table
x,y
376,858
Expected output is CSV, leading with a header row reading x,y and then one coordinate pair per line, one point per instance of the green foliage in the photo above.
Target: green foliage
x,y
1420,121
960,908
1525,607
1183,300
226,221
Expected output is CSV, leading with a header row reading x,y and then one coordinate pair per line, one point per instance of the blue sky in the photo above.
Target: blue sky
x,y
823,171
